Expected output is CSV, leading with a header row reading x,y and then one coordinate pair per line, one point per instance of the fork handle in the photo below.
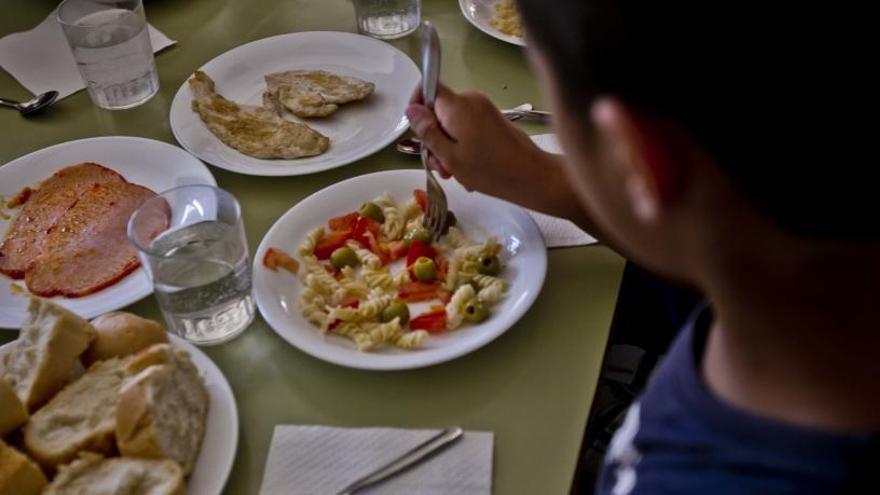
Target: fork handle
x,y
539,115
9,103
407,460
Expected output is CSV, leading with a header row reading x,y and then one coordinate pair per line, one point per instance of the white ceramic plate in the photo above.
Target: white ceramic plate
x,y
217,453
152,164
277,293
356,130
480,13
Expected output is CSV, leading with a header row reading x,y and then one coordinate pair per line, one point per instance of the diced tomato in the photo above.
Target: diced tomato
x,y
421,198
275,258
331,241
433,322
417,291
396,249
418,249
345,222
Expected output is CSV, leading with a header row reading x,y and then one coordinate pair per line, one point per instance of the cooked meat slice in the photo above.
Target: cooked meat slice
x,y
87,249
315,93
24,240
256,131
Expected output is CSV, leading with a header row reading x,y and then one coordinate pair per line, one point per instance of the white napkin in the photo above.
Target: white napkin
x,y
557,232
40,59
320,460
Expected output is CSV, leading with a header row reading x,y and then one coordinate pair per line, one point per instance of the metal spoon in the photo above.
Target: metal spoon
x,y
413,145
36,103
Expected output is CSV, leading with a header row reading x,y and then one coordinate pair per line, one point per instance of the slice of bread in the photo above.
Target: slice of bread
x,y
18,474
91,474
163,407
46,353
80,417
120,334
12,412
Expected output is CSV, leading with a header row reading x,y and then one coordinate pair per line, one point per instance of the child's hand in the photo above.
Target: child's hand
x,y
469,138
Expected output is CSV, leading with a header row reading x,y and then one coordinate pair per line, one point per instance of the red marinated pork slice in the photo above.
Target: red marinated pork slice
x,y
87,249
24,240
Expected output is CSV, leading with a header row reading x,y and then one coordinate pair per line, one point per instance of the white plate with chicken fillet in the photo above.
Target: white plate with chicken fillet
x,y
232,125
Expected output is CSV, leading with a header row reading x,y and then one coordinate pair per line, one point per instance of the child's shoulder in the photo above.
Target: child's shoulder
x,y
679,438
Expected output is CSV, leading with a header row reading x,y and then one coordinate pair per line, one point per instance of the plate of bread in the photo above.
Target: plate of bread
x,y
114,406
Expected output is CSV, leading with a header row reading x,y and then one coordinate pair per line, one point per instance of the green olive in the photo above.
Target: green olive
x,y
450,221
418,233
372,210
343,256
489,265
394,310
475,311
424,269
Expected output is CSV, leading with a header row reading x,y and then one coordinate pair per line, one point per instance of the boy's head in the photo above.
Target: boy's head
x,y
685,116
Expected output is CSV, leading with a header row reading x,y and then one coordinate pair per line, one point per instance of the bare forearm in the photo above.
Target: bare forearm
x,y
537,180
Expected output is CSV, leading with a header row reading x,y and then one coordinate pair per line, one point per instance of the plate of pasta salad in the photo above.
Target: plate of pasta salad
x,y
349,275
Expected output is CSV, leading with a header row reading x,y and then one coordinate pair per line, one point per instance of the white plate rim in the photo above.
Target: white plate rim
x,y
370,361
274,168
142,290
486,28
210,371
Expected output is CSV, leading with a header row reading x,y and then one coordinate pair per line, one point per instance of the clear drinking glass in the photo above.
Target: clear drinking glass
x,y
191,242
387,19
111,45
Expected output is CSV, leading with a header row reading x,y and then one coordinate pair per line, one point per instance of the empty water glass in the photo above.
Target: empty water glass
x,y
191,242
387,19
111,46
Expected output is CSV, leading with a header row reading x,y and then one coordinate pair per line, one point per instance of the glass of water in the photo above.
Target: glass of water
x,y
191,242
387,19
111,46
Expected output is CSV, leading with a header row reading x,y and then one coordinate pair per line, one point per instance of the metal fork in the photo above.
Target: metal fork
x,y
437,208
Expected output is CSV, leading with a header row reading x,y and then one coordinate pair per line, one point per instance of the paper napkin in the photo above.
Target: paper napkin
x,y
40,59
320,460
557,232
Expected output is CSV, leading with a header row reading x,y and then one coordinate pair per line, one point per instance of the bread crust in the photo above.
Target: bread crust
x,y
121,334
18,474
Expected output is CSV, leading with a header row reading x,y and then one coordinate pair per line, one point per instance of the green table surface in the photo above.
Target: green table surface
x,y
532,387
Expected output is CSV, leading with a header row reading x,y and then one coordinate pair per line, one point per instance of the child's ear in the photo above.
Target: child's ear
x,y
638,149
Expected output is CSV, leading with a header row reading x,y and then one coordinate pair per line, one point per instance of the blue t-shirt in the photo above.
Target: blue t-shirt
x,y
680,439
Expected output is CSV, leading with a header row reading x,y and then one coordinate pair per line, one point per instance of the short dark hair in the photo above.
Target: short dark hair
x,y
762,87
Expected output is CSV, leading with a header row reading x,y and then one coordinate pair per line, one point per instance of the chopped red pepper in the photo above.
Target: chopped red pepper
x,y
396,250
442,268
417,249
362,228
421,198
344,222
433,322
275,258
348,302
331,241
444,295
417,291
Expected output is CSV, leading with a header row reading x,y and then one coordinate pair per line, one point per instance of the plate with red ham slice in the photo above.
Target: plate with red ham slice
x,y
63,212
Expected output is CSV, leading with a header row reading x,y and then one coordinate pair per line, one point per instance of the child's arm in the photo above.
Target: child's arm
x,y
485,152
